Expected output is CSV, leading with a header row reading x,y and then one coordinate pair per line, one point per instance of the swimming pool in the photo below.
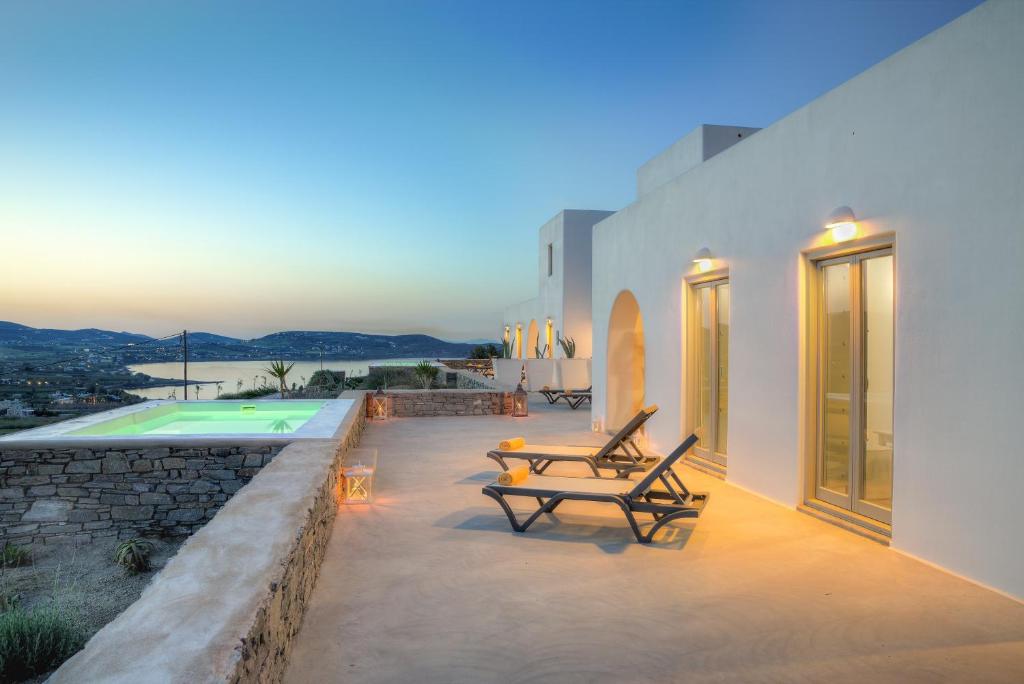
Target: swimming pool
x,y
210,417
156,420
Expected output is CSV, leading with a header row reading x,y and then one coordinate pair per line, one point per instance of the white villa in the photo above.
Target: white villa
x,y
832,303
562,307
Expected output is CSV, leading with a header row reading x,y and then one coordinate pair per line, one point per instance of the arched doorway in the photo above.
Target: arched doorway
x,y
625,370
532,340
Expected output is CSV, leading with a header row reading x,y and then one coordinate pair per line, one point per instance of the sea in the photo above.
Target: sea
x,y
222,377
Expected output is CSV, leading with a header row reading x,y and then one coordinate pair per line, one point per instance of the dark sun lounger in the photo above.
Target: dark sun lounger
x,y
620,454
672,503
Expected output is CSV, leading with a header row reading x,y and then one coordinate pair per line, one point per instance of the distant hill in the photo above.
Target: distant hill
x,y
203,346
14,334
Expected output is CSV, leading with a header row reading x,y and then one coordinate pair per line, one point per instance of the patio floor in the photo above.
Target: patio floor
x,y
431,585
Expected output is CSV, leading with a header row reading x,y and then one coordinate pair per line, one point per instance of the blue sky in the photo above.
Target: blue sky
x,y
381,166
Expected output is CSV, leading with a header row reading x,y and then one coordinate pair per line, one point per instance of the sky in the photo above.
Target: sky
x,y
244,168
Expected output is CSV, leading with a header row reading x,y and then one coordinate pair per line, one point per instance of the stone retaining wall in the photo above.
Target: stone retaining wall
x,y
79,495
227,607
458,402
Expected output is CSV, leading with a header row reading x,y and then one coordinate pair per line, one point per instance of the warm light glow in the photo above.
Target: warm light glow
x,y
703,260
843,231
549,338
379,405
358,484
842,224
520,403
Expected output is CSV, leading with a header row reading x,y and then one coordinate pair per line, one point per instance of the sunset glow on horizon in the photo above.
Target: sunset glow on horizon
x,y
244,169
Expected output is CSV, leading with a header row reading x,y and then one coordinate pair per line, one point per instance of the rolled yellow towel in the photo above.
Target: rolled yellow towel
x,y
514,476
512,444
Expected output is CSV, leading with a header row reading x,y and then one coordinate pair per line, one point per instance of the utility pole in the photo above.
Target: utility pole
x,y
184,347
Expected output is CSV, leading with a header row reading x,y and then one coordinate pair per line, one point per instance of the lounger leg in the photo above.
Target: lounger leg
x,y
550,506
497,459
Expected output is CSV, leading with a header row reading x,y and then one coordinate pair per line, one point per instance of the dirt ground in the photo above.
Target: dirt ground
x,y
85,580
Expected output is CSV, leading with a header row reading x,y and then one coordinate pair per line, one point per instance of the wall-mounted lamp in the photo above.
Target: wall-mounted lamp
x,y
703,260
842,224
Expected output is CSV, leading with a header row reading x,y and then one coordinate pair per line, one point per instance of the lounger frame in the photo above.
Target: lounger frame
x,y
674,503
620,454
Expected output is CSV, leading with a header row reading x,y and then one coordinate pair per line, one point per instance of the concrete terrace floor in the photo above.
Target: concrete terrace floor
x,y
431,585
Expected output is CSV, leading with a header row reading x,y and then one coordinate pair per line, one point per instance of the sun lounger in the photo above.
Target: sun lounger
x,y
671,502
620,454
574,398
551,394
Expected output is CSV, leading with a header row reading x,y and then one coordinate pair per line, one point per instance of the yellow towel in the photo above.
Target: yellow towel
x,y
512,444
514,476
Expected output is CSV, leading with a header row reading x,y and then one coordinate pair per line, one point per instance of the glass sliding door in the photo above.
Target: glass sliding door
x,y
710,340
855,387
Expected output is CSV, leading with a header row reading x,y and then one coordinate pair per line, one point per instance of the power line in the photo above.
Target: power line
x,y
80,357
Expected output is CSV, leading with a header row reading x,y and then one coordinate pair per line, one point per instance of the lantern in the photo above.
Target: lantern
x,y
379,405
597,425
358,477
520,408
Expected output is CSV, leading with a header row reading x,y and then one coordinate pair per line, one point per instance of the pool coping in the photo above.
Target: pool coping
x,y
327,423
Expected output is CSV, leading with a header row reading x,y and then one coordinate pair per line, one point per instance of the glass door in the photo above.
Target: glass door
x,y
711,342
855,397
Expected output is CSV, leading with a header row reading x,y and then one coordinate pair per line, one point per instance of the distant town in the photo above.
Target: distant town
x,y
49,374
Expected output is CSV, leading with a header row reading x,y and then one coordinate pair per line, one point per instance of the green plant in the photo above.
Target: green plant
x,y
540,353
506,349
278,370
249,394
35,641
133,554
426,372
484,351
568,346
14,555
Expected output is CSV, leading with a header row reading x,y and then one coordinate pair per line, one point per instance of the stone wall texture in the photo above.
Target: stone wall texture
x,y
263,653
423,403
79,495
229,605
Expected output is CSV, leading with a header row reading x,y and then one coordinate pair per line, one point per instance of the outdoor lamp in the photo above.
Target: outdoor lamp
x,y
842,224
520,409
379,405
703,260
358,483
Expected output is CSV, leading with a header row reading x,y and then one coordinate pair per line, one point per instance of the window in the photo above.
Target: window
x,y
855,361
551,259
710,386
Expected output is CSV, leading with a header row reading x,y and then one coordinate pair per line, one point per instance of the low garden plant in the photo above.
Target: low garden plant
x,y
133,555
426,373
14,555
35,641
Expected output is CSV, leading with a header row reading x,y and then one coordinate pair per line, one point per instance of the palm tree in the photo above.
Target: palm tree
x,y
278,370
238,385
219,388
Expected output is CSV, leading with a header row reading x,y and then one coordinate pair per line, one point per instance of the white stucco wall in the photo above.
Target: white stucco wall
x,y
565,295
697,146
925,145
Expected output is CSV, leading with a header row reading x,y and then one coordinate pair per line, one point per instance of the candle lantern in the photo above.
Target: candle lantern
x,y
597,425
358,476
520,408
379,405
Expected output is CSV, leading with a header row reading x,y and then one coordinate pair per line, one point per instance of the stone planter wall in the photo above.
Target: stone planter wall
x,y
423,403
80,495
227,607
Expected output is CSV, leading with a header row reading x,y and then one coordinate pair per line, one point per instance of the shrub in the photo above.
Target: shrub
x,y
133,554
33,642
425,372
14,555
568,345
250,394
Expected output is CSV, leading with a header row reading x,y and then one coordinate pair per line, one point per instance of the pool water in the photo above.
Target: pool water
x,y
209,418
